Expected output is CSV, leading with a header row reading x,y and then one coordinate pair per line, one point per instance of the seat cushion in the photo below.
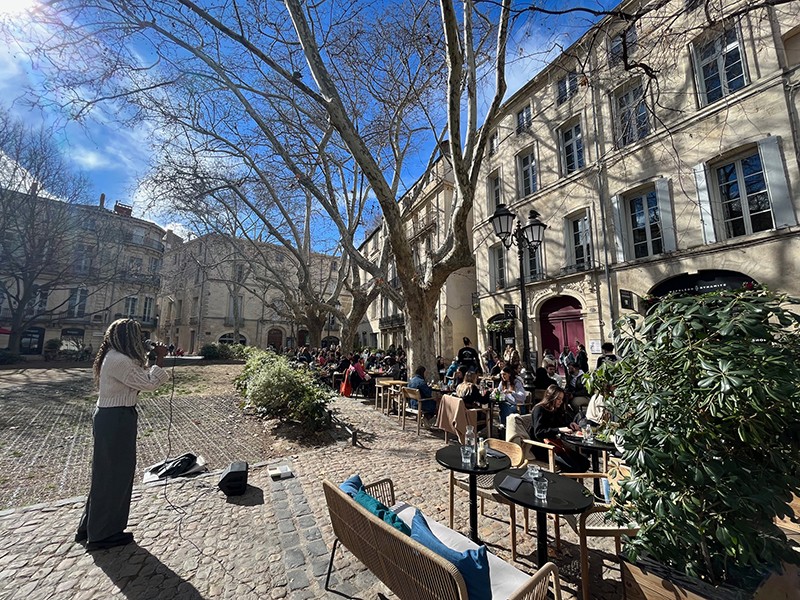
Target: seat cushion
x,y
473,564
352,485
380,510
503,577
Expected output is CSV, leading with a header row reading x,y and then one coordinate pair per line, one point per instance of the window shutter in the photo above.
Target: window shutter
x,y
569,251
775,175
698,83
704,201
668,235
618,213
492,271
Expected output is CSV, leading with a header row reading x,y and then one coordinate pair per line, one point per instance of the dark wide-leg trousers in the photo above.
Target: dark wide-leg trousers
x,y
113,470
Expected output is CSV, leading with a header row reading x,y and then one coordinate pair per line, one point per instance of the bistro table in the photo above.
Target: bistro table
x,y
564,497
394,386
595,447
450,457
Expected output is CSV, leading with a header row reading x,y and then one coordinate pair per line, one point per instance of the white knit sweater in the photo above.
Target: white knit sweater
x,y
121,380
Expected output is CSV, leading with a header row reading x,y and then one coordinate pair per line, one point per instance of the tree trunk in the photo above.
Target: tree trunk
x,y
421,351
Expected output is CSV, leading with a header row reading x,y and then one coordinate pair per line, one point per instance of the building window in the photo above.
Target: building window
x,y
533,264
645,224
632,120
77,302
572,148
580,242
743,197
494,192
238,273
38,304
155,265
527,173
524,119
567,87
235,306
147,310
131,303
494,143
497,267
83,259
622,45
719,66
135,264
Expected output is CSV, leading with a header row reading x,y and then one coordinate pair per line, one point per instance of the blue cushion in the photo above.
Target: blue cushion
x,y
380,510
472,564
352,486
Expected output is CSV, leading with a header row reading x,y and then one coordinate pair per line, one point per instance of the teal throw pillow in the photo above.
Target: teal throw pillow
x,y
352,486
472,564
380,510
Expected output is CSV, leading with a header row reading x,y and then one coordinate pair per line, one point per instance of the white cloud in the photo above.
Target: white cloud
x,y
90,159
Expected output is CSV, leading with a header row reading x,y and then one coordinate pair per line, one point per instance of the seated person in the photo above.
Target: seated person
x,y
551,368
498,368
426,393
550,419
458,378
469,391
391,368
511,391
359,378
576,390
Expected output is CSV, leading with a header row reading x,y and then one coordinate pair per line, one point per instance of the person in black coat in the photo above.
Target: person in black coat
x,y
550,419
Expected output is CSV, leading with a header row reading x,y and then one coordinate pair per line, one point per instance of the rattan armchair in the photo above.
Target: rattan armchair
x,y
486,489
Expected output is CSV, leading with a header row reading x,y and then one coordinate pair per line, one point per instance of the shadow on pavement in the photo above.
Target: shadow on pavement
x,y
141,585
253,496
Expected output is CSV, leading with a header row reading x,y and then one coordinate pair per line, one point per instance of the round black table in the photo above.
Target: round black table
x,y
564,497
594,448
450,457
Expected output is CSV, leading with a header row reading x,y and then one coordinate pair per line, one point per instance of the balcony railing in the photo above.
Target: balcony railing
x,y
143,241
391,321
577,268
140,278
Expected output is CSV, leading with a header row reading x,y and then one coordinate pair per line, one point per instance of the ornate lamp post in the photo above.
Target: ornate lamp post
x,y
527,237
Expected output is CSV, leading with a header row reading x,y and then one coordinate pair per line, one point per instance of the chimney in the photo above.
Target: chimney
x,y
102,200
122,209
34,188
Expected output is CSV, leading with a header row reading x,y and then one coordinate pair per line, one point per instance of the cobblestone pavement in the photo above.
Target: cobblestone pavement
x,y
274,542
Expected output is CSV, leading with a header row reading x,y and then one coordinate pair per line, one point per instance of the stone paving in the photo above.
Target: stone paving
x,y
273,542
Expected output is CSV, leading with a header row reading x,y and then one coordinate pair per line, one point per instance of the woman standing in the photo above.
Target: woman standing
x,y
120,373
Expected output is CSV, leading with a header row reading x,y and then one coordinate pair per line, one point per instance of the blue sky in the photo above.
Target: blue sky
x,y
114,158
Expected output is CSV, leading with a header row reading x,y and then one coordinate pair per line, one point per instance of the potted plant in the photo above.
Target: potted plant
x,y
51,348
707,397
504,326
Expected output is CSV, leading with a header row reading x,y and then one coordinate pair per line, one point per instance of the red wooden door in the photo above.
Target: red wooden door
x,y
561,324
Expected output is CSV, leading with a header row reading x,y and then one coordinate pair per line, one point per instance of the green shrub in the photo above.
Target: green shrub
x,y
282,392
707,396
217,351
9,358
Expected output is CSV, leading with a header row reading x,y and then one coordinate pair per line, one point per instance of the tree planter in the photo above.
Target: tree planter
x,y
649,580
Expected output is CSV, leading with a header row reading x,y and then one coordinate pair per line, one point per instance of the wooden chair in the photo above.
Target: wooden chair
x,y
380,391
486,489
453,417
404,406
594,522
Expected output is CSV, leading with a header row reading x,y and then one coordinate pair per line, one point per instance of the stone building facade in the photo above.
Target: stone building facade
x,y
683,176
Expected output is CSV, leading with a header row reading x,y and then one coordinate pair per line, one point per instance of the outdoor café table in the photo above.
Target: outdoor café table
x,y
395,385
450,457
594,448
564,497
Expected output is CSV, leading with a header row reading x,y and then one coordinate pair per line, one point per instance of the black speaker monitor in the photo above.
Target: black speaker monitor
x,y
234,479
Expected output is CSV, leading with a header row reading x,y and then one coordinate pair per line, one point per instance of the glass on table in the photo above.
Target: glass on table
x,y
467,453
540,488
532,472
588,434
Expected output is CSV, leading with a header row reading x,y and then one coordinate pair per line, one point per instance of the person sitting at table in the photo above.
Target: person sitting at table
x,y
391,368
426,393
576,391
497,369
512,393
547,375
469,391
550,419
359,378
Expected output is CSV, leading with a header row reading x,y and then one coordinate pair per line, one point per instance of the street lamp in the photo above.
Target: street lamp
x,y
527,237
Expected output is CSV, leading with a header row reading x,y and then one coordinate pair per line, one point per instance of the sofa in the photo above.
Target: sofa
x,y
409,569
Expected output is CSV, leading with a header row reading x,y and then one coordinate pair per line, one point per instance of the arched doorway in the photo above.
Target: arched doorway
x,y
302,337
561,324
500,331
275,338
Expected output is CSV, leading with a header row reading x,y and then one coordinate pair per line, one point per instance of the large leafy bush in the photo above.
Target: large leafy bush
x,y
217,351
280,391
708,402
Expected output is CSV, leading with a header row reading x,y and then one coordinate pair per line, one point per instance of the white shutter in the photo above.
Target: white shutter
x,y
668,233
704,201
775,176
618,215
699,86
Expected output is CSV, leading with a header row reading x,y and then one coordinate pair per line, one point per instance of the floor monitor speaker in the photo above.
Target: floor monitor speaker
x,y
234,479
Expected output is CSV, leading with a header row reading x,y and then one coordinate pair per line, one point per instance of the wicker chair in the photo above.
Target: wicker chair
x,y
486,489
405,406
409,569
594,522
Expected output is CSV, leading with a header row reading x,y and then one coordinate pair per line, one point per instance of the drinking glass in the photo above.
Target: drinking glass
x,y
588,434
540,488
532,473
466,455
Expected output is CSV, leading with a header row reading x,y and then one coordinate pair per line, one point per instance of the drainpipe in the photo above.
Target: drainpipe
x,y
600,190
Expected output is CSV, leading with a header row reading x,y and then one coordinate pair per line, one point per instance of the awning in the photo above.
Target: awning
x,y
4,331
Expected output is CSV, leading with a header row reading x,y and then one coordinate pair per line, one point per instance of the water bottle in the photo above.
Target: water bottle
x,y
469,437
482,453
